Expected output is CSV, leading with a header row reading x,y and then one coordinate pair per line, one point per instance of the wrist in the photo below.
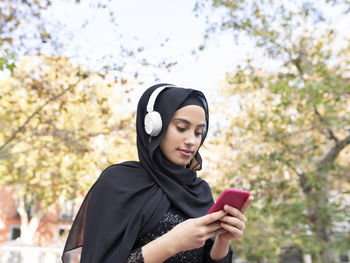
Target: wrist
x,y
222,241
220,248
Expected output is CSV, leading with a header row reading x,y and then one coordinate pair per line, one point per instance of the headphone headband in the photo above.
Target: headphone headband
x,y
153,120
154,95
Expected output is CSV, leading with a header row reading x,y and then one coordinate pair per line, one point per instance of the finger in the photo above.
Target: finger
x,y
213,227
212,230
231,229
208,219
247,204
216,233
233,221
235,212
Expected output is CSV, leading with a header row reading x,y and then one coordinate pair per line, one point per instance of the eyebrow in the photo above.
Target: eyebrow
x,y
187,122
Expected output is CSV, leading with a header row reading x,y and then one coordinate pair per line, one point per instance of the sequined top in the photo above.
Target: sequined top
x,y
173,217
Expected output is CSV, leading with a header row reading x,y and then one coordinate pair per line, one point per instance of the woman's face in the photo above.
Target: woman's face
x,y
184,135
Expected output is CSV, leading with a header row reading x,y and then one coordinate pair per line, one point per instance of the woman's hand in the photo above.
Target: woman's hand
x,y
187,235
234,224
193,233
235,221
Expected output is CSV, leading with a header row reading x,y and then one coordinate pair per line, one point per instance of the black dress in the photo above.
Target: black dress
x,y
173,217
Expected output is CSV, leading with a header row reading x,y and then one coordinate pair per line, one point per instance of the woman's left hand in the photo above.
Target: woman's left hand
x,y
234,222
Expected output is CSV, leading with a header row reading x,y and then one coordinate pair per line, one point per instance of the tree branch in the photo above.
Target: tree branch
x,y
302,177
22,212
330,132
22,127
334,152
297,64
64,135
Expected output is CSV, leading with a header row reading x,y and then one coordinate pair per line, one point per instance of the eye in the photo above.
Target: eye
x,y
180,129
198,133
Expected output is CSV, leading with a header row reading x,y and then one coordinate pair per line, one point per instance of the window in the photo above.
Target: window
x,y
15,232
63,232
344,258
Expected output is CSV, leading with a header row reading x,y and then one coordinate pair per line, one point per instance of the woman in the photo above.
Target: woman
x,y
154,210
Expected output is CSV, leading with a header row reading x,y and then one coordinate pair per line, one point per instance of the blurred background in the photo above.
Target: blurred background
x,y
277,78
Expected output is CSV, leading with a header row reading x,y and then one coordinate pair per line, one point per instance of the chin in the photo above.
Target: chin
x,y
180,163
183,164
179,160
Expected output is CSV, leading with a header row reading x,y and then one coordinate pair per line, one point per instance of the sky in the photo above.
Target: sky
x,y
88,35
149,24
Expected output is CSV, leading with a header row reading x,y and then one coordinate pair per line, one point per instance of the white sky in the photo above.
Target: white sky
x,y
148,24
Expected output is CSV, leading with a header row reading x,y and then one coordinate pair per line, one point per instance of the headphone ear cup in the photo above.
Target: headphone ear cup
x,y
153,123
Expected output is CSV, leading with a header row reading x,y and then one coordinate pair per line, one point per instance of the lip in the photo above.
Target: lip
x,y
186,152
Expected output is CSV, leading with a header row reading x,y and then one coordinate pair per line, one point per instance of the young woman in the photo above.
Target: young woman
x,y
155,210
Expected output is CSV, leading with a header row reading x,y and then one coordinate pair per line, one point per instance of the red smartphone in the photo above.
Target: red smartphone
x,y
231,197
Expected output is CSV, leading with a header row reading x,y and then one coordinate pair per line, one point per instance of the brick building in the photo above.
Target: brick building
x,y
53,227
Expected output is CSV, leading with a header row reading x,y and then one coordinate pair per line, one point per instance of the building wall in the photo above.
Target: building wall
x,y
52,229
8,218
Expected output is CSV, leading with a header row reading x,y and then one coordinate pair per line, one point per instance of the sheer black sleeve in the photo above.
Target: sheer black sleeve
x,y
136,256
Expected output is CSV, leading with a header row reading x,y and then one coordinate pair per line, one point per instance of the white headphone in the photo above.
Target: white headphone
x,y
153,120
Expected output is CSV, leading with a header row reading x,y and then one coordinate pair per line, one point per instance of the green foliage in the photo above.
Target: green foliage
x,y
294,122
15,14
60,125
7,61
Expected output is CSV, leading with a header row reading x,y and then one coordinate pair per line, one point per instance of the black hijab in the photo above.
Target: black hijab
x,y
130,198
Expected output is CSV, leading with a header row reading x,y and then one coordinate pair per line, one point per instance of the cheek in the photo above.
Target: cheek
x,y
171,135
167,140
198,143
163,143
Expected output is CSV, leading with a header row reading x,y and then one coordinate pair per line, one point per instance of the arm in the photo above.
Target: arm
x,y
234,225
158,250
206,253
190,234
219,249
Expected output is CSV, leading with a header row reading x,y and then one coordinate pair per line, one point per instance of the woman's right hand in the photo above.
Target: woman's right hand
x,y
193,233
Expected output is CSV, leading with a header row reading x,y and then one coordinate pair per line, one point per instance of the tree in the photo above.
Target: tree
x,y
55,113
60,125
291,136
23,22
14,17
28,28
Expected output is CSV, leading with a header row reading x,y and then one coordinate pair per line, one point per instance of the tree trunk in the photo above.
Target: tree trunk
x,y
28,229
28,226
320,219
330,255
316,191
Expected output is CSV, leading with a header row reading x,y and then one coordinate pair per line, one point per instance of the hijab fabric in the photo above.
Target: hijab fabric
x,y
130,198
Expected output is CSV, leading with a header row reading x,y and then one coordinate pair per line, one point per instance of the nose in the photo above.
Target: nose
x,y
190,138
